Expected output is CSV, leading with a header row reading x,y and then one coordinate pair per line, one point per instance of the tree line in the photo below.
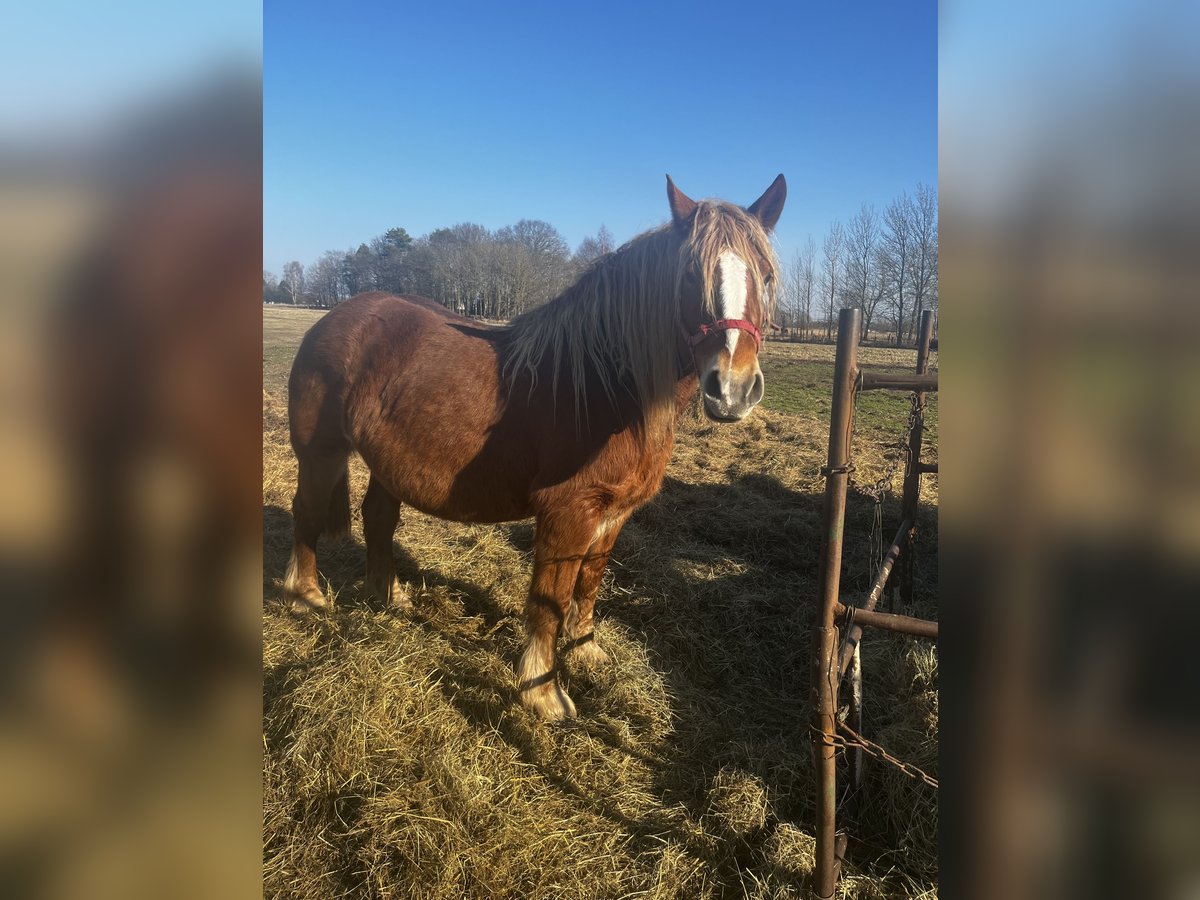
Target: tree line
x,y
884,264
476,272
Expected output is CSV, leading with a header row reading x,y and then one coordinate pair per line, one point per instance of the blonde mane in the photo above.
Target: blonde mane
x,y
619,323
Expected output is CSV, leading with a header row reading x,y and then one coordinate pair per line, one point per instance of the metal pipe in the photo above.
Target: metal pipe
x,y
890,381
825,757
824,680
927,468
912,471
925,341
889,622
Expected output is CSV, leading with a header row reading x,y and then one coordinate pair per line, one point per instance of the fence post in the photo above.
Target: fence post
x,y
912,470
825,673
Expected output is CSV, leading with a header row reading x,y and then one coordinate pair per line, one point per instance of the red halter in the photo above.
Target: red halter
x,y
723,325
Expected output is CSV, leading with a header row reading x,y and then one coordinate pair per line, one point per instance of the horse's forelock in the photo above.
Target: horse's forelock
x,y
719,227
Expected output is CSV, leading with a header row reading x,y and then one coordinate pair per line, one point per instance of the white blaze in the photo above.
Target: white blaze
x,y
733,294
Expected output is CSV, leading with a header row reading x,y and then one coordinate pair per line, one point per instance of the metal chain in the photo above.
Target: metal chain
x,y
879,488
916,410
915,413
854,739
878,492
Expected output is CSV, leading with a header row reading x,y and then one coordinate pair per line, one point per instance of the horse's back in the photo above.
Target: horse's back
x,y
416,390
342,340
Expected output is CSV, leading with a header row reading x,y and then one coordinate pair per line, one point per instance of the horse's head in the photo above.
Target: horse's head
x,y
727,283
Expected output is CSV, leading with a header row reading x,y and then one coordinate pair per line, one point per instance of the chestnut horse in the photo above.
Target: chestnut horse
x,y
566,414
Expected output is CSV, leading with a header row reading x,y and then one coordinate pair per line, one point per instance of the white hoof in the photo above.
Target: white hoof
x,y
395,594
538,684
309,601
401,596
549,701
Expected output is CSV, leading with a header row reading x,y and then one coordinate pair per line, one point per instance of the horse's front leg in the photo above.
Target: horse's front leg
x,y
580,630
560,544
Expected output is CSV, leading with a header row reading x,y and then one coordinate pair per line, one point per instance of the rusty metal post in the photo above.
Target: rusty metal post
x,y
912,471
825,635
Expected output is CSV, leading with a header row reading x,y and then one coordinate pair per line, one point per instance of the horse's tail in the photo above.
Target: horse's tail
x,y
337,519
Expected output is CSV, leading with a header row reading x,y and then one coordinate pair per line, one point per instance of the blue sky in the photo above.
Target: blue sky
x,y
423,115
69,66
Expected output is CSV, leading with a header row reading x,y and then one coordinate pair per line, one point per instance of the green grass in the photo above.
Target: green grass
x,y
799,382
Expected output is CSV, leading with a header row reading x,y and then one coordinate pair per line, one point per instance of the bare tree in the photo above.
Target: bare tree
x,y
293,280
791,294
897,246
923,260
799,288
273,291
808,275
592,248
457,266
324,279
831,273
862,286
548,255
542,238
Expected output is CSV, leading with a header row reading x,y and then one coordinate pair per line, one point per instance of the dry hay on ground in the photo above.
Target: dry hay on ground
x,y
399,764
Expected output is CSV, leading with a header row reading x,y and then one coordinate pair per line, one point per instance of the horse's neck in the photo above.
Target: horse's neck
x,y
685,390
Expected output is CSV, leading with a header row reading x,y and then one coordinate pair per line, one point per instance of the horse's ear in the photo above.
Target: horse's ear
x,y
682,205
768,207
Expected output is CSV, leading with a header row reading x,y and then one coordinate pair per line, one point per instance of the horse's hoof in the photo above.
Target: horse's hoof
x,y
401,596
392,594
550,703
308,602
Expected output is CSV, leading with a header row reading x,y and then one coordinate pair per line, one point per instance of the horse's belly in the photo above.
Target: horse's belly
x,y
452,477
477,507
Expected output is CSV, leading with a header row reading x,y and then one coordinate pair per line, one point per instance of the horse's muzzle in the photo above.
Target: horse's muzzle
x,y
732,400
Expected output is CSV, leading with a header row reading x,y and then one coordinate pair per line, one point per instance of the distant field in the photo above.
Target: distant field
x,y
398,762
282,330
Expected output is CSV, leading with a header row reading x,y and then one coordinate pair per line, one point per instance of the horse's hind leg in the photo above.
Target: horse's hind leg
x,y
381,512
321,505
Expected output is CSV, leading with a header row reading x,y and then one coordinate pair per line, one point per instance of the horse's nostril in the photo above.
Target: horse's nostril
x,y
712,385
756,391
